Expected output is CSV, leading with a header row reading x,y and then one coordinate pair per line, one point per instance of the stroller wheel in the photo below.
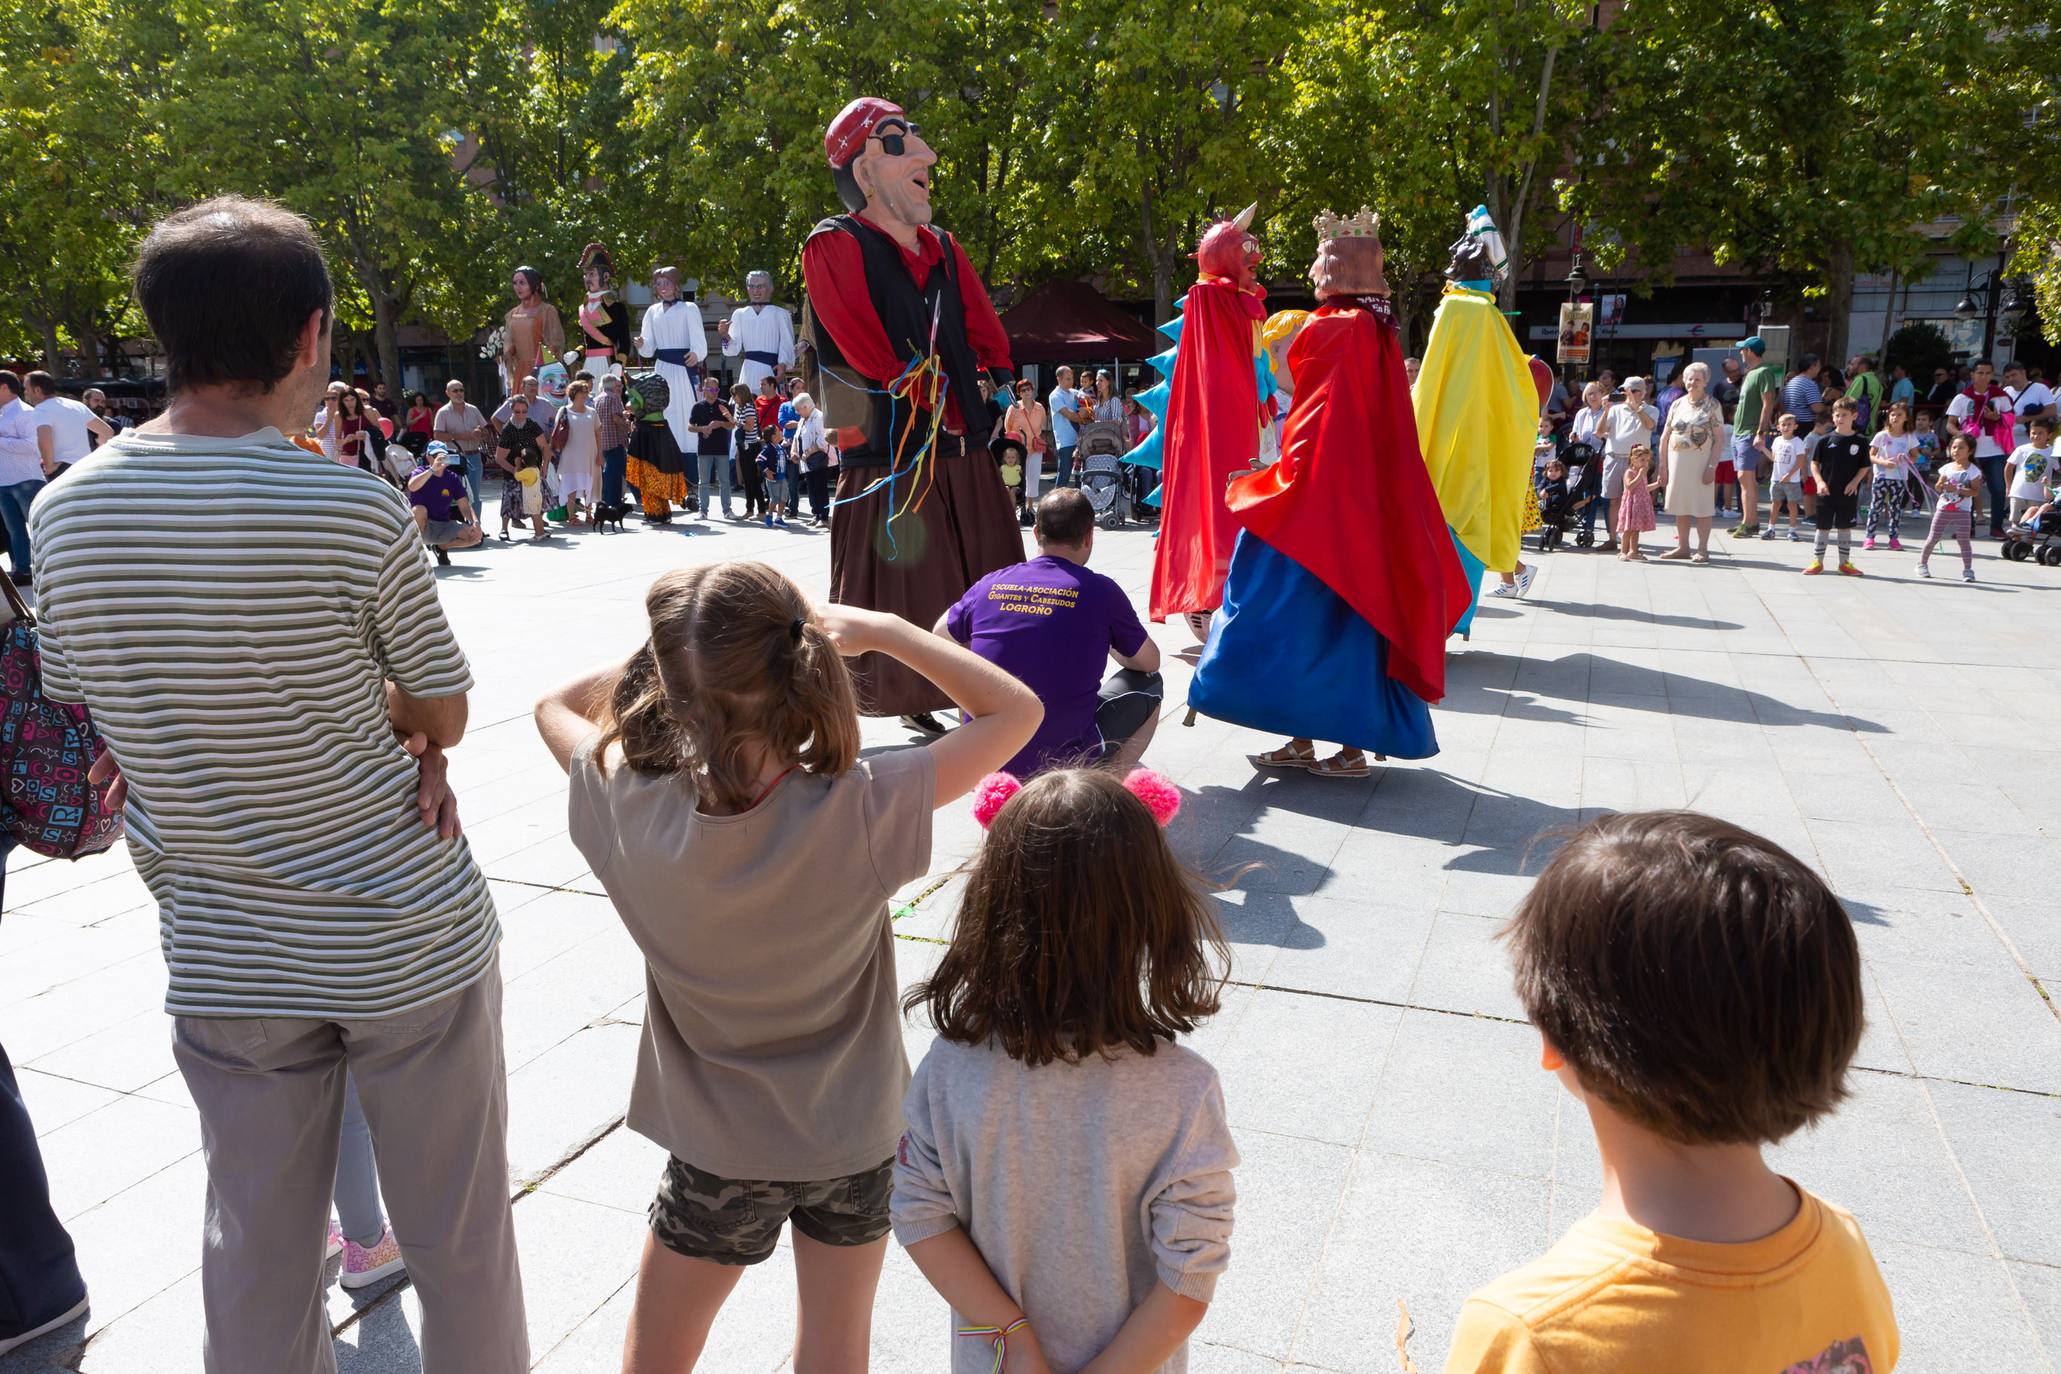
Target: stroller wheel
x,y
2018,552
1584,539
2050,556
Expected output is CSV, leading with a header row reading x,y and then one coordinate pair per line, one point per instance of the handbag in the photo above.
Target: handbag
x,y
46,748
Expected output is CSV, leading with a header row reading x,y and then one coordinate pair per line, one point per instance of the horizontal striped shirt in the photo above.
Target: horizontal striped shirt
x,y
231,610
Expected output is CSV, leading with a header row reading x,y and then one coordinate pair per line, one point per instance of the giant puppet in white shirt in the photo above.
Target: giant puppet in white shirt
x,y
672,337
761,333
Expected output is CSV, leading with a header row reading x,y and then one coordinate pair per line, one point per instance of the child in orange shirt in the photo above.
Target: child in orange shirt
x,y
1699,990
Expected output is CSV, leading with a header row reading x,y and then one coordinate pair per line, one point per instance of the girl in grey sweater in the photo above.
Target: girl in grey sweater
x,y
1064,1179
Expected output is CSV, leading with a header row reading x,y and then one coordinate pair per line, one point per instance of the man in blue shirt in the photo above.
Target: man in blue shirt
x,y
1067,413
1803,395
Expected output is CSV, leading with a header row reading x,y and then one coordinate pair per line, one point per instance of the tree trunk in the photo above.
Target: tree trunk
x,y
89,348
386,342
50,350
1838,303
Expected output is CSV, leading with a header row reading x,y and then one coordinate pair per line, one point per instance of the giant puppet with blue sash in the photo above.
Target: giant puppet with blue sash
x,y
903,331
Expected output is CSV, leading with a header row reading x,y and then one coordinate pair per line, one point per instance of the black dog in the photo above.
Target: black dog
x,y
606,515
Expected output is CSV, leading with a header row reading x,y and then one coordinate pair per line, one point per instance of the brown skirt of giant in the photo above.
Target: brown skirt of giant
x,y
965,529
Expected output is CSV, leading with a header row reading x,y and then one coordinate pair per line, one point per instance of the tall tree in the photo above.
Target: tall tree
x,y
1423,111
344,112
1813,140
79,95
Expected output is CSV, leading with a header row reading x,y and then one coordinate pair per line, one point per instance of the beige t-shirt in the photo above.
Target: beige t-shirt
x,y
772,1038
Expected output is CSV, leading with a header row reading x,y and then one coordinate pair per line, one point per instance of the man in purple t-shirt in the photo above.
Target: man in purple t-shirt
x,y
1050,624
442,509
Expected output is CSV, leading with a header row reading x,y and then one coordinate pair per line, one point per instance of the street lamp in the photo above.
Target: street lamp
x,y
1576,282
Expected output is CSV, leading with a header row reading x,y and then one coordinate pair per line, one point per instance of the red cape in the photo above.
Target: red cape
x,y
1350,499
1212,431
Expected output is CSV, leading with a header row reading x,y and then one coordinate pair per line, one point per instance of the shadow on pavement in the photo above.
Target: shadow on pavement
x,y
1605,611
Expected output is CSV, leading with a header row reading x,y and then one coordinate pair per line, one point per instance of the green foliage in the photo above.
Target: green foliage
x,y
437,143
1920,347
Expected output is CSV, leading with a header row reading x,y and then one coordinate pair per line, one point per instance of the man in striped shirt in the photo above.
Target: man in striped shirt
x,y
257,633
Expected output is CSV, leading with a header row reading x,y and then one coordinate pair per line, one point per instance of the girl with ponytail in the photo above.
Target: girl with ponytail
x,y
718,793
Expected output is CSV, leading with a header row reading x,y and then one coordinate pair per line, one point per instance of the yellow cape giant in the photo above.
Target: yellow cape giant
x,y
1477,420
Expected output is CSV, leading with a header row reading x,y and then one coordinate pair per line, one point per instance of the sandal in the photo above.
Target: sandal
x,y
1337,767
1287,756
1699,558
1675,555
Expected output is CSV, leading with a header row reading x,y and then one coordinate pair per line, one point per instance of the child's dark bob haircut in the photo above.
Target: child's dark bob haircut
x,y
1079,931
1698,979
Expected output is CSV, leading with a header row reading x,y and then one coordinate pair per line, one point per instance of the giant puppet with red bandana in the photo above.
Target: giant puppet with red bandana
x,y
903,331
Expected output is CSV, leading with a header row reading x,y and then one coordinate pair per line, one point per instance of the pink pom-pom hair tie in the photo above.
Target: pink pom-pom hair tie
x,y
990,793
1161,797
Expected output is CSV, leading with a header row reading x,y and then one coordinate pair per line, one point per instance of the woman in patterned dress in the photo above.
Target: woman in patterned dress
x,y
522,446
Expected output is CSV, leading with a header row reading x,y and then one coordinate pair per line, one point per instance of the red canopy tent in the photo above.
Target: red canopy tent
x,y
1070,322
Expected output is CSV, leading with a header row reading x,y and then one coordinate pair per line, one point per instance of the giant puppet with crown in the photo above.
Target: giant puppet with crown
x,y
1344,581
903,331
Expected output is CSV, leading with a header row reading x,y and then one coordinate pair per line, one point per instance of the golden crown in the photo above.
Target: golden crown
x,y
1364,225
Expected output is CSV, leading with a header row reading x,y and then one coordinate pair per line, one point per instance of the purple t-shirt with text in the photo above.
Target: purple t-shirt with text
x,y
440,495
1050,624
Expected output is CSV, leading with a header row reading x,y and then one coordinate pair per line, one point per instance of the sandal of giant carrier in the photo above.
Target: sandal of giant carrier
x,y
1338,766
1287,756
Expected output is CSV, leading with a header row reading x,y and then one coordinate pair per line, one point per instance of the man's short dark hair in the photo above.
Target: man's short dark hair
x,y
1065,518
1697,978
43,382
1807,361
11,380
227,286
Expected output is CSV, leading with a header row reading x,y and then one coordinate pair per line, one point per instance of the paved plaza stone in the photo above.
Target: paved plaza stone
x,y
1400,1142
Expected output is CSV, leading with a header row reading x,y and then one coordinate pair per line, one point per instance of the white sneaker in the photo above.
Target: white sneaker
x,y
1967,574
1924,571
1503,589
8,1343
1524,579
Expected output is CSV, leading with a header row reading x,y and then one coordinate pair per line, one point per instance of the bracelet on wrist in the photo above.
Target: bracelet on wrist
x,y
999,1336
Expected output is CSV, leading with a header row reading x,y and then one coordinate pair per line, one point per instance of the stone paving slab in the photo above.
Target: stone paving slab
x,y
1399,1142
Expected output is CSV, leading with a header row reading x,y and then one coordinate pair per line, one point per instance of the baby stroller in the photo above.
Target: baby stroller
x,y
1099,447
1584,485
1556,513
2039,539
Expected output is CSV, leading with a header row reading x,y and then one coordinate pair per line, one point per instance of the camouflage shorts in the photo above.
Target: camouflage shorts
x,y
737,1221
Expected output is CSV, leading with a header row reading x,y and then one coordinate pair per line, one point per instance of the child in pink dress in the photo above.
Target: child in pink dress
x,y
1635,511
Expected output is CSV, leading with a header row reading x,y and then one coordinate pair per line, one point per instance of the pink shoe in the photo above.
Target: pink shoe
x,y
1896,544
1869,544
362,1267
334,1245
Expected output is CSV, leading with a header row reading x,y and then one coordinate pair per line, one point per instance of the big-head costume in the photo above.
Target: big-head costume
x,y
1344,582
604,319
1216,407
1477,409
761,333
903,331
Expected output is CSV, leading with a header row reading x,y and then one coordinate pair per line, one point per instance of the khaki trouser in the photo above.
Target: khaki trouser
x,y
270,1093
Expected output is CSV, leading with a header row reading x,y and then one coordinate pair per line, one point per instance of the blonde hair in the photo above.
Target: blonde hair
x,y
736,657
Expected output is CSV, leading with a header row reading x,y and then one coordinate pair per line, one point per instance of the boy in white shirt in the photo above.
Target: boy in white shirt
x,y
1785,484
2030,471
